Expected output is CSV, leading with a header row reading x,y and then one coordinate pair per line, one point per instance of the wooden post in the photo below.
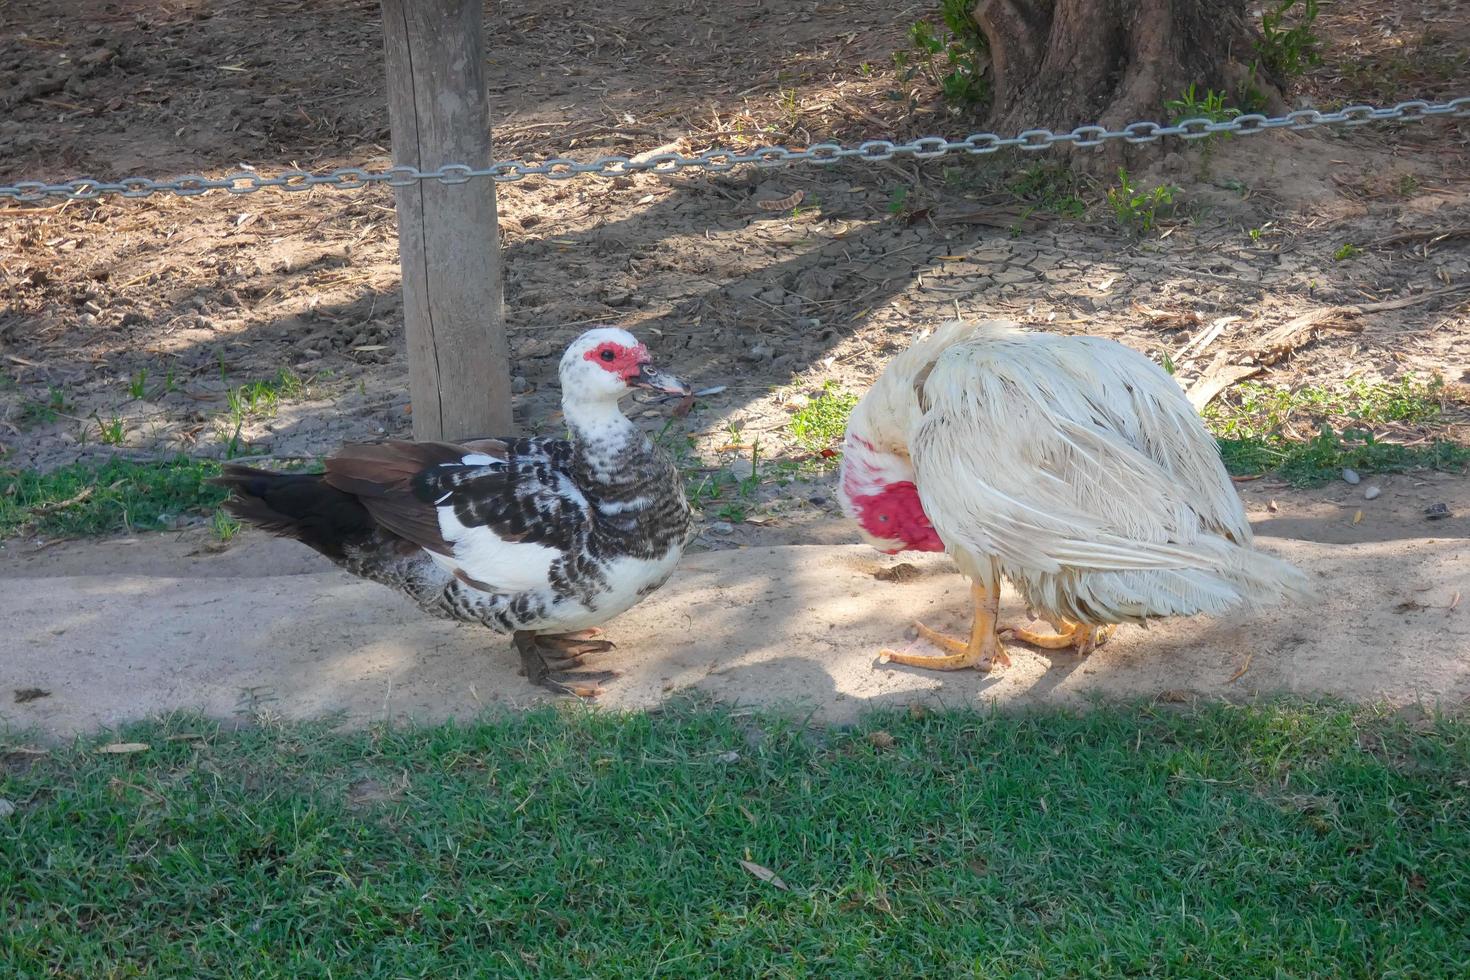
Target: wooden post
x,y
448,239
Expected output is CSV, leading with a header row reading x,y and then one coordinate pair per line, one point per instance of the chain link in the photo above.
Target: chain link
x,y
722,159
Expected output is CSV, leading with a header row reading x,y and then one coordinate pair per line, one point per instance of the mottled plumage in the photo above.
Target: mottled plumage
x,y
524,536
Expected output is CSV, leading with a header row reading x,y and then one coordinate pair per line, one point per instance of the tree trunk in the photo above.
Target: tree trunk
x,y
1058,64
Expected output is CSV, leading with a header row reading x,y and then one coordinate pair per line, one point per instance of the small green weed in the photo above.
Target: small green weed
x,y
1346,251
224,526
112,432
1190,106
34,413
1137,211
955,59
1287,46
1323,457
1258,428
1050,187
790,103
822,421
1211,106
119,495
1256,409
897,199
138,386
733,512
257,400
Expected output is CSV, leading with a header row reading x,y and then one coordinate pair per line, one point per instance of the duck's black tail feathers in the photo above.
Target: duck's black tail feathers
x,y
300,506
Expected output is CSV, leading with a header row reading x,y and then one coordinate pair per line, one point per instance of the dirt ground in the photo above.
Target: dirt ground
x,y
132,321
136,627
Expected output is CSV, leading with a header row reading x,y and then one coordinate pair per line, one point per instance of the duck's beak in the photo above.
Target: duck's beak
x,y
653,379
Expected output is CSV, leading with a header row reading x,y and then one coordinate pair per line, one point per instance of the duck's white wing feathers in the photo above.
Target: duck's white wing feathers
x,y
1075,456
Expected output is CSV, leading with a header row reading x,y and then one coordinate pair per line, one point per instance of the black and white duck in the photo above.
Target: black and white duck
x,y
544,539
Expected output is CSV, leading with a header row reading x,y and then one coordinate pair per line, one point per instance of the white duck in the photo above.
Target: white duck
x,y
1074,467
539,538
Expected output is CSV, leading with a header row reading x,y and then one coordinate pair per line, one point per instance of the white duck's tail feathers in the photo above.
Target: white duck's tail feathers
x,y
1228,579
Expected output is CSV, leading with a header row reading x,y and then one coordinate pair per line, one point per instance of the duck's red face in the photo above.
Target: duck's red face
x,y
895,515
634,366
623,360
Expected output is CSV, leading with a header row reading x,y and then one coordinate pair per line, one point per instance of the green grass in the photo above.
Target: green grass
x,y
1324,456
1137,211
1050,187
1255,409
1272,840
224,526
259,399
1213,106
1257,426
956,57
820,423
112,432
256,400
34,413
116,496
1288,46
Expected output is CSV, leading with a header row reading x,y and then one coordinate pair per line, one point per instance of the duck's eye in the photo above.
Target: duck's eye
x,y
607,355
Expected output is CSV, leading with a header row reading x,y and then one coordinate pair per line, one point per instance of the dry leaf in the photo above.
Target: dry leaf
x,y
1216,378
1243,668
765,874
124,748
783,203
1289,337
1453,603
880,740
902,572
1271,506
1358,517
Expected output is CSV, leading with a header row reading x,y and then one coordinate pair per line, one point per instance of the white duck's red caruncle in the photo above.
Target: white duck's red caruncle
x,y
539,538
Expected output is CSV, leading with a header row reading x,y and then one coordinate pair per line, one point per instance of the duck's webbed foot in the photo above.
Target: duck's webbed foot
x,y
554,661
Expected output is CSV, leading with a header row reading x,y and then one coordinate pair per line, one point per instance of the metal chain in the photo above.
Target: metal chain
x,y
723,159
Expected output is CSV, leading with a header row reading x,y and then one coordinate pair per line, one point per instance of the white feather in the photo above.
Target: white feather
x,y
505,566
1075,467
